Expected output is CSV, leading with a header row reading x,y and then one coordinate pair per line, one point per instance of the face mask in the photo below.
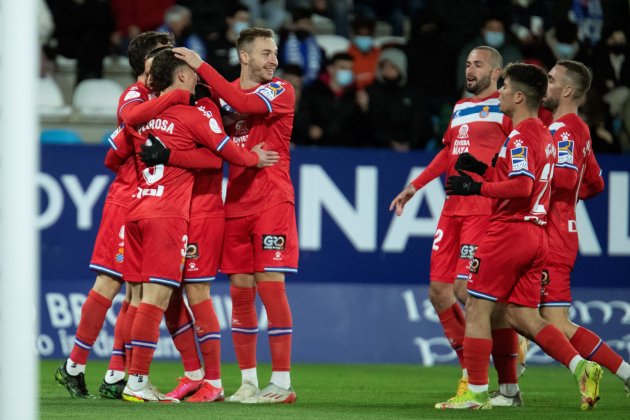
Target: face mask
x,y
494,39
566,51
364,42
239,26
344,77
617,49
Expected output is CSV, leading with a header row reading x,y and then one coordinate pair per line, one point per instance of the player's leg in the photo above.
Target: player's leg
x,y
443,272
504,356
587,343
275,245
237,260
181,327
114,381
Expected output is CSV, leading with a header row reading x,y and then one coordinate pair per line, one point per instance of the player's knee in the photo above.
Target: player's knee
x,y
441,295
107,286
197,292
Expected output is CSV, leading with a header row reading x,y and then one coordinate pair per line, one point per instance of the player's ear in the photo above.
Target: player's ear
x,y
243,56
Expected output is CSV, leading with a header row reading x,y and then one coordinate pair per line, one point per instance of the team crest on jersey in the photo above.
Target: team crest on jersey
x,y
272,90
463,132
519,158
485,111
132,94
565,149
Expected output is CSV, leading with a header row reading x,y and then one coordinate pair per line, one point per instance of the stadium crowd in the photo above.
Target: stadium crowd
x,y
393,82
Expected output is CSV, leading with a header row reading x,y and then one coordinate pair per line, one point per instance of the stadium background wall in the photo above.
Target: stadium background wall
x,y
361,293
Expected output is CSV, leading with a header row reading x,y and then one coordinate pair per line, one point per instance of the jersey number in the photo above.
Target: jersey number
x,y
153,174
545,176
438,237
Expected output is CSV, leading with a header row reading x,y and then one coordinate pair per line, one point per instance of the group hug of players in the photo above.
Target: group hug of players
x,y
507,240
165,224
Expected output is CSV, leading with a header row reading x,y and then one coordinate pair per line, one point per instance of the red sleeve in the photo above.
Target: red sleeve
x,y
517,187
200,158
121,143
564,178
140,112
592,182
437,167
112,161
265,100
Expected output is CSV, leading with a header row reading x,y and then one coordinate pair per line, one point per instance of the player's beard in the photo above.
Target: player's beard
x,y
550,103
479,86
260,73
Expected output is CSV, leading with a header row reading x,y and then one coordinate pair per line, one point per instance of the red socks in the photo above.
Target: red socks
x,y
145,334
555,344
477,358
591,347
92,317
504,353
244,325
454,325
117,361
274,297
181,327
209,337
130,317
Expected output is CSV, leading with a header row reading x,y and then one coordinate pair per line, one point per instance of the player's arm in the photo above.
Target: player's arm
x,y
121,149
136,113
157,153
564,178
242,102
592,182
437,167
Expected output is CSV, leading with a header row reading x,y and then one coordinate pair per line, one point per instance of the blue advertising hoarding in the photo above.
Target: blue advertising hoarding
x,y
361,291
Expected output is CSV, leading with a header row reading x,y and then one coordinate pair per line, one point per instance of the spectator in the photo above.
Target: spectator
x,y
132,17
337,11
364,51
562,41
329,114
293,74
209,16
298,46
267,13
493,34
394,115
528,26
390,11
222,53
178,20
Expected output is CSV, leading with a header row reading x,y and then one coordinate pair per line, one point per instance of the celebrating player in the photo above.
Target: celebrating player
x,y
479,127
507,267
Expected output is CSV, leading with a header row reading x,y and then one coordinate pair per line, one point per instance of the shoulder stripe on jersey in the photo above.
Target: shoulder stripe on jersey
x,y
467,104
128,102
555,127
566,165
521,172
223,143
267,101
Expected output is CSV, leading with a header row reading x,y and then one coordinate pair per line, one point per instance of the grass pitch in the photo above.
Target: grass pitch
x,y
341,392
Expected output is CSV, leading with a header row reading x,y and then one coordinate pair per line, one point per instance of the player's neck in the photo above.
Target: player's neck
x,y
248,82
486,92
564,109
522,114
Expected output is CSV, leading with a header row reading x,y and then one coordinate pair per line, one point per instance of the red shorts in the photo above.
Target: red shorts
x,y
109,248
455,243
155,250
205,240
262,242
556,284
508,264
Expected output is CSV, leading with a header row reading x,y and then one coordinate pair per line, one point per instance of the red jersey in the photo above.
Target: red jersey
x,y
251,190
575,164
123,187
479,128
166,191
528,151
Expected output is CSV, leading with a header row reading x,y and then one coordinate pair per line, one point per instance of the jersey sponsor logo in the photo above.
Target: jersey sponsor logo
x,y
192,251
272,90
565,149
158,124
214,126
519,158
474,265
463,132
240,128
132,94
544,279
274,242
485,111
467,251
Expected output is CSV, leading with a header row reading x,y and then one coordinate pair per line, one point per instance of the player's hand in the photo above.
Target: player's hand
x,y
189,56
468,162
154,152
401,199
265,157
462,185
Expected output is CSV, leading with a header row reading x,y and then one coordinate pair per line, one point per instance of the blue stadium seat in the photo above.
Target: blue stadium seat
x,y
60,136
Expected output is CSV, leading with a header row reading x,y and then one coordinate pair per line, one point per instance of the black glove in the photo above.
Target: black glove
x,y
462,185
155,154
494,160
468,162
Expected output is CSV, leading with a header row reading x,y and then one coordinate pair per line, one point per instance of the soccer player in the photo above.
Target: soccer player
x,y
507,268
577,176
157,222
108,255
260,242
479,127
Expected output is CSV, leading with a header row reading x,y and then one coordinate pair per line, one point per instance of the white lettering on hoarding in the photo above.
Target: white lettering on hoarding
x,y
618,214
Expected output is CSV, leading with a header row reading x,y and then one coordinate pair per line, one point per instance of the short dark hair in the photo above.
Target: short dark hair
x,y
579,74
163,69
247,36
142,44
363,22
495,55
529,79
300,13
234,7
340,56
